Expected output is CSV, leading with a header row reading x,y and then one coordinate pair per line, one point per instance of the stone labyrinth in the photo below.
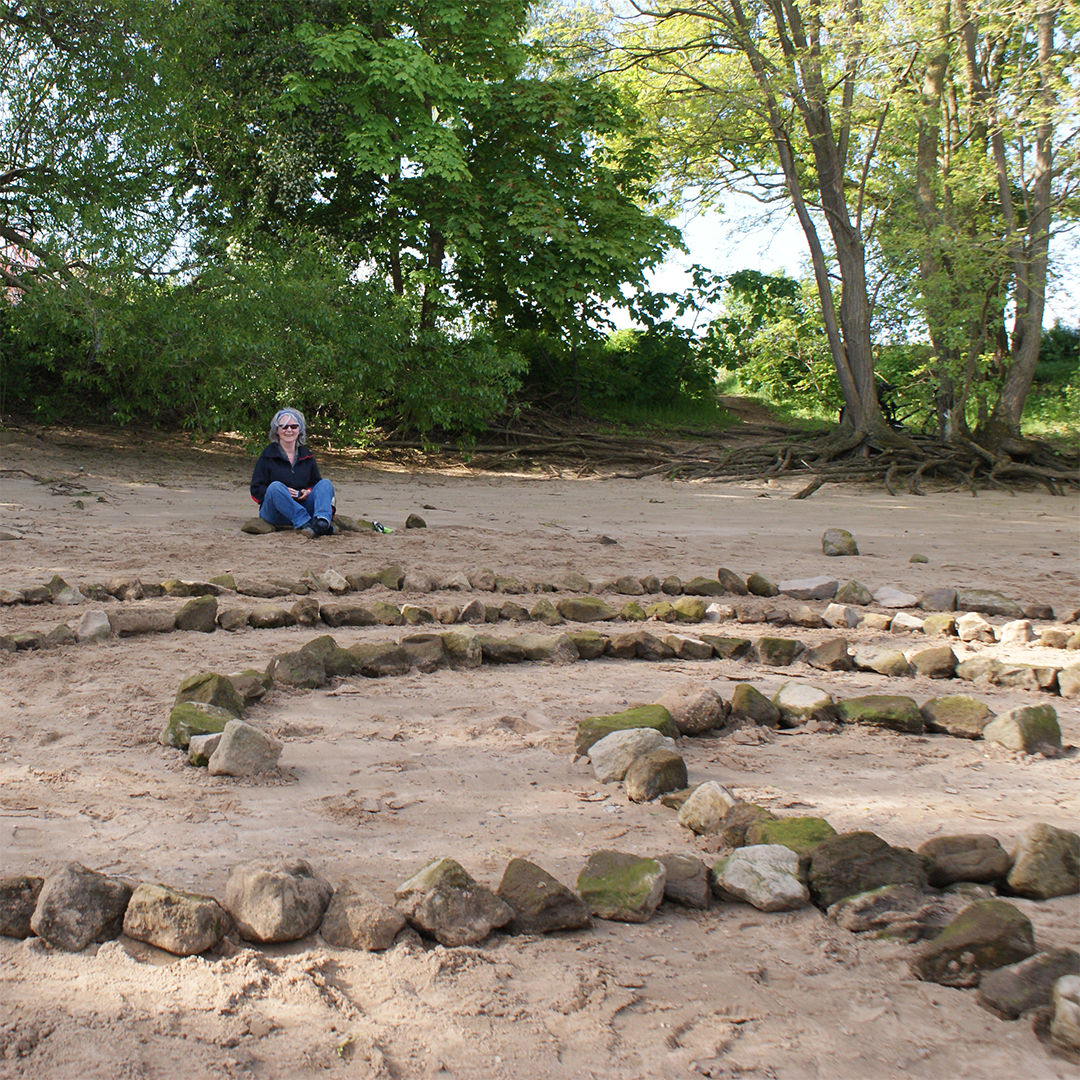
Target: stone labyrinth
x,y
948,899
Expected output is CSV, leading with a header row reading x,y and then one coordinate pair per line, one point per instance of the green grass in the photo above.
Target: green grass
x,y
702,416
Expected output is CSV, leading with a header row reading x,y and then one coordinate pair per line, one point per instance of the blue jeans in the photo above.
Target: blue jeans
x,y
280,508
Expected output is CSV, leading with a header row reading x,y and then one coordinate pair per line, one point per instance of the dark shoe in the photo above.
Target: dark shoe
x,y
323,527
309,530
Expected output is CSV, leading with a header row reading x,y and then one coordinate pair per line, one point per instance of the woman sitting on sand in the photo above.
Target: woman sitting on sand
x,y
286,482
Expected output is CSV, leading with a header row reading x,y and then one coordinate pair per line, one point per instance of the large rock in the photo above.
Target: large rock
x,y
837,542
378,659
1065,1015
498,650
299,669
858,862
689,648
338,663
356,919
763,875
730,582
694,708
891,711
181,923
549,648
736,822
653,774
706,807
590,644
198,614
799,703
244,751
594,728
543,611
686,881
540,903
750,706
760,585
938,600
18,897
426,652
343,613
854,593
727,648
830,656
133,621
1045,863
971,857
189,718
973,627
77,906
585,609
1029,728
801,834
988,934
777,652
623,887
896,912
444,902
959,715
1020,988
269,617
888,597
276,899
988,602
1068,680
889,662
815,588
613,755
703,586
463,649
212,689
94,625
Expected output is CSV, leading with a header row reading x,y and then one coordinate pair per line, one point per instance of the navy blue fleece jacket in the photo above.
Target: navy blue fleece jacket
x,y
274,465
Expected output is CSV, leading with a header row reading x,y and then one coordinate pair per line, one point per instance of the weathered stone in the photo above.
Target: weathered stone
x,y
463,649
837,542
988,934
571,581
1035,610
250,684
548,648
201,748
891,711
905,623
1026,677
729,582
686,881
244,751
629,586
63,594
654,773
77,906
507,583
540,903
799,703
801,834
126,589
973,627
1011,991
937,600
273,900
640,643
988,602
500,650
959,715
475,611
356,919
481,579
1031,729
940,625
64,635
936,663
840,616
737,821
257,527
806,617
212,689
897,912
426,652
1054,637
585,609
25,640
874,620
414,521
444,902
888,597
703,586
181,923
235,619
815,588
777,652
854,593
337,662
612,755
193,718
1069,681
858,862
971,857
261,590
544,611
590,644
299,669
705,809
1046,863
978,669
751,705
671,585
269,617
694,709
379,659
391,577
594,728
623,887
1065,1015
132,621
512,611
689,608
94,625
688,648
1017,632
18,897
830,656
763,875
759,585
650,583
727,648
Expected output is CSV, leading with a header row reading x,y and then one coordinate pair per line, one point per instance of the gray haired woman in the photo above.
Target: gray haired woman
x,y
286,482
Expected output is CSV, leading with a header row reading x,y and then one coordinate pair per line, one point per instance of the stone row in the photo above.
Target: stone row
x,y
859,881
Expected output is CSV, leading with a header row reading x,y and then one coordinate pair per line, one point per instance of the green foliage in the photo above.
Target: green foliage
x,y
226,350
1053,406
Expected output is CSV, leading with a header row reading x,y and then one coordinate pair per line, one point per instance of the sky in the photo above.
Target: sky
x,y
728,243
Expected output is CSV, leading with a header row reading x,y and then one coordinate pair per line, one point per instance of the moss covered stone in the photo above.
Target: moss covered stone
x,y
193,718
800,834
594,728
212,689
892,711
616,885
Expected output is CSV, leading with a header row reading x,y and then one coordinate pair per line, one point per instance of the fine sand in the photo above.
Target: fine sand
x,y
378,777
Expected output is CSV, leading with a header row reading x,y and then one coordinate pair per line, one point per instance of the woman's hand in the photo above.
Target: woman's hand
x,y
296,494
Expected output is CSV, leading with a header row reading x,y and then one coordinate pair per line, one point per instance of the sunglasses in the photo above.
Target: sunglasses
x,y
288,427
